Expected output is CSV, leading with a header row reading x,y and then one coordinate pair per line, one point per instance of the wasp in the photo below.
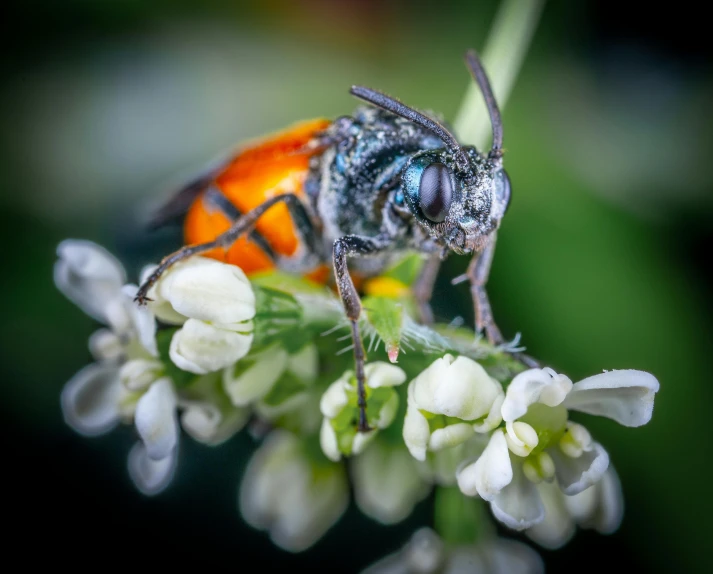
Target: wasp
x,y
366,188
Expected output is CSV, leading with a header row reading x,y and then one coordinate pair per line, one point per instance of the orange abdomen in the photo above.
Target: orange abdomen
x,y
273,166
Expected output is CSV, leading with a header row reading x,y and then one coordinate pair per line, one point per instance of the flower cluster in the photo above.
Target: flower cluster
x,y
456,417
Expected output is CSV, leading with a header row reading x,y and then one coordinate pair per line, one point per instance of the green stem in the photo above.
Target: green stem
x,y
458,519
502,57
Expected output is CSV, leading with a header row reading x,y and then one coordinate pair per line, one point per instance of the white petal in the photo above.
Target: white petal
x,y
280,492
387,484
576,474
388,411
209,290
328,441
422,389
156,420
311,511
90,399
334,399
304,364
207,424
491,473
422,554
494,417
521,438
416,432
466,391
450,436
505,556
361,441
105,345
88,275
626,396
534,386
247,385
142,320
201,348
600,506
558,527
151,476
264,476
138,374
518,505
380,374
575,440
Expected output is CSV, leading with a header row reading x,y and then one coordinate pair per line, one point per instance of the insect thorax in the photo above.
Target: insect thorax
x,y
350,182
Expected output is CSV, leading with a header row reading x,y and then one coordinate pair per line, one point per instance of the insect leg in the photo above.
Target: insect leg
x,y
344,247
216,199
478,272
242,225
423,287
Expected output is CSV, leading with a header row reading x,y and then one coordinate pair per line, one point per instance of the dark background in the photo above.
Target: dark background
x,y
603,260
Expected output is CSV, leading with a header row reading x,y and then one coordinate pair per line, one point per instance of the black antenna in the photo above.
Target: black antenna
x,y
396,107
476,69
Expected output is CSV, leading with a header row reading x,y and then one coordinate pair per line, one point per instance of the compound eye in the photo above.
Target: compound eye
x,y
435,192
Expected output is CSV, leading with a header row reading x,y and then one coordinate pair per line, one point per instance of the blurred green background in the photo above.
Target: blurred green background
x,y
602,262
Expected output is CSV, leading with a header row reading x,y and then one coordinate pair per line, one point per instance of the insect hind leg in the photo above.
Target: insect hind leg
x,y
345,247
242,225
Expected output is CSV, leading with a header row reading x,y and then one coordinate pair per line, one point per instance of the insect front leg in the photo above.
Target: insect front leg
x,y
478,273
423,288
344,247
241,225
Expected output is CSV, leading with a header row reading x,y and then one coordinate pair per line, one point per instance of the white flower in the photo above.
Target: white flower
x,y
128,382
208,415
294,498
215,304
540,444
448,403
94,400
339,405
601,507
387,482
250,379
89,276
91,399
152,461
426,553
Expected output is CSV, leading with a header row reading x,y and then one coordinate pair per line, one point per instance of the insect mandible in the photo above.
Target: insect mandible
x,y
368,187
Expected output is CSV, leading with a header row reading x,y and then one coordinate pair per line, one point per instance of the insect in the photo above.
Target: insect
x,y
367,188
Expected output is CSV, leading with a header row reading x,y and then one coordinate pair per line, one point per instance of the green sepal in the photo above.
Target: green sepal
x,y
286,387
278,319
345,420
180,378
375,401
385,314
345,440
